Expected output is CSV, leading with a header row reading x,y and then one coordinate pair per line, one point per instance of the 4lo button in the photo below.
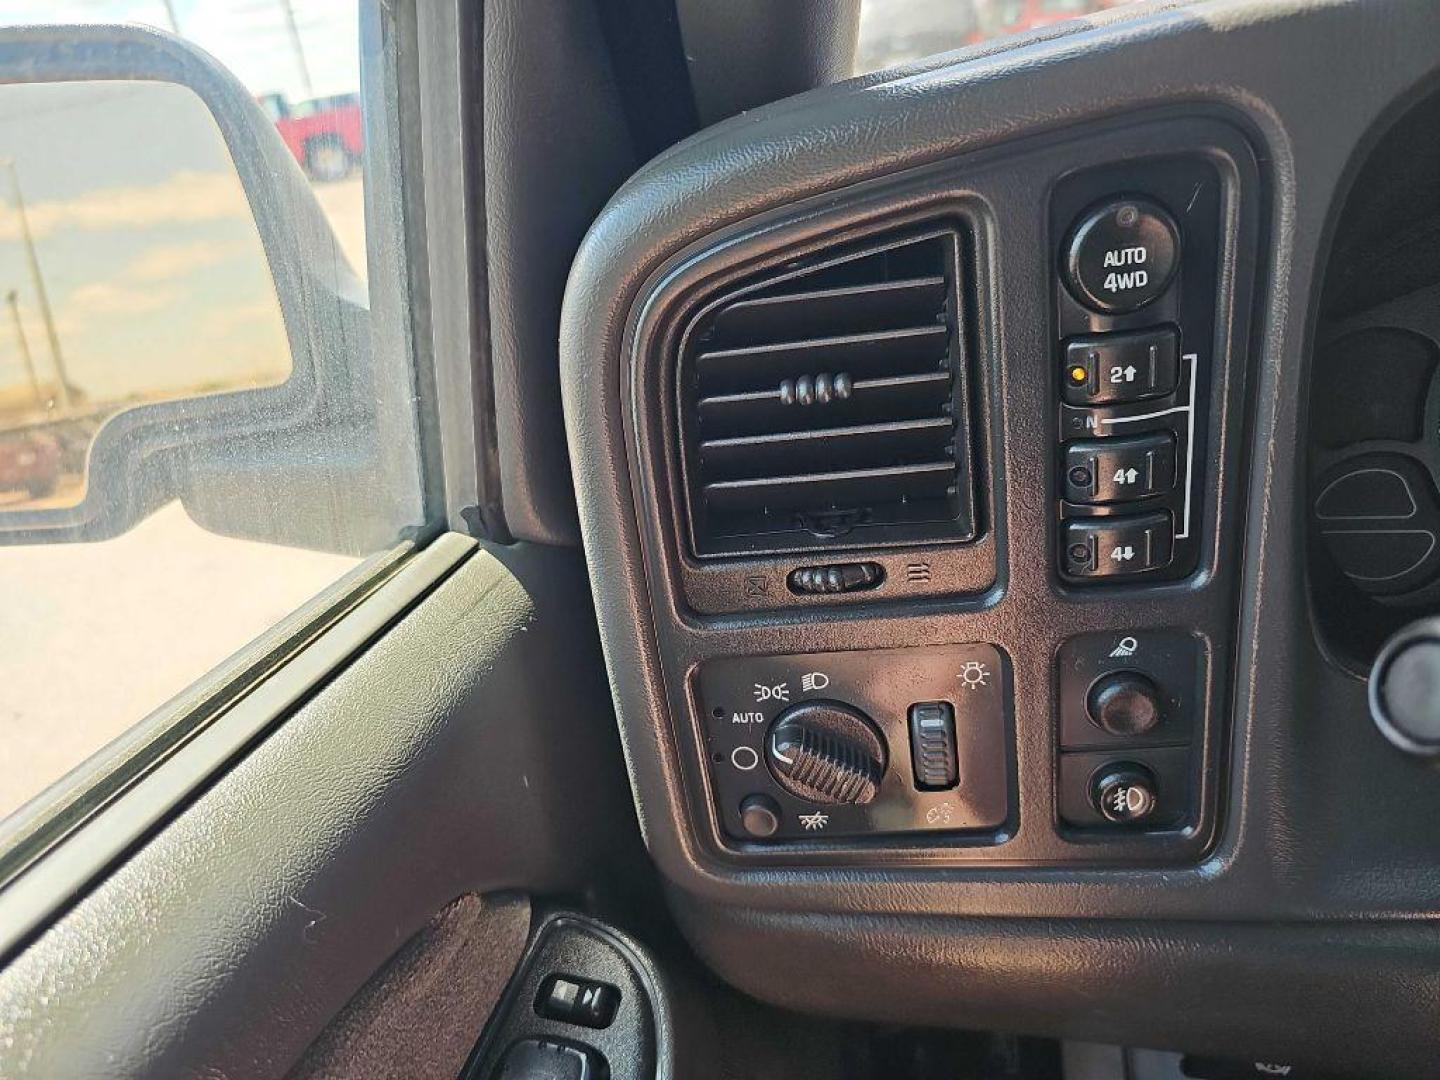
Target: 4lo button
x,y
1116,546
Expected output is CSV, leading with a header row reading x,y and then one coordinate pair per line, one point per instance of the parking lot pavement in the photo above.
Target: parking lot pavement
x,y
95,636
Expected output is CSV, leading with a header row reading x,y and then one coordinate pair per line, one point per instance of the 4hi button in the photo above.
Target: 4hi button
x,y
1122,256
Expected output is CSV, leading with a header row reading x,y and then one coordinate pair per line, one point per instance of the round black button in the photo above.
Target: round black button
x,y
1124,703
1406,702
1124,793
760,815
1122,256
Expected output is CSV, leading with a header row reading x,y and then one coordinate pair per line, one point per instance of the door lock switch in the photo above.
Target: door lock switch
x,y
1119,470
570,1000
932,746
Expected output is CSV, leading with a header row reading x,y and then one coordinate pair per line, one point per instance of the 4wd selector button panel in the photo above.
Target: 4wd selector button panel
x,y
1121,256
1133,334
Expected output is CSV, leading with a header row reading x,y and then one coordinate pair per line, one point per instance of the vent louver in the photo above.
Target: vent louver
x,y
824,406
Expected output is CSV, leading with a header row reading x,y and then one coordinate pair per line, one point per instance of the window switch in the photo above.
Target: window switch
x,y
577,1001
932,746
545,1059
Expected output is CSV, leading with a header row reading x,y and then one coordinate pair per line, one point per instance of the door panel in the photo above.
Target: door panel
x,y
467,751
419,1014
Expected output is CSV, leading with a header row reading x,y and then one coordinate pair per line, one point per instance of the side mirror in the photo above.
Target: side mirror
x,y
178,319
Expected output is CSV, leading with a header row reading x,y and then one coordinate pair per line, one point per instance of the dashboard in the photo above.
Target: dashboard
x,y
815,396
962,458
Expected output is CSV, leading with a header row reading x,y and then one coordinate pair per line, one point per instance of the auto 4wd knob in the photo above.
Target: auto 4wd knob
x,y
826,752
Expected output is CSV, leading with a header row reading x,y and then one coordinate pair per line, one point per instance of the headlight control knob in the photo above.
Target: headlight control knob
x,y
826,752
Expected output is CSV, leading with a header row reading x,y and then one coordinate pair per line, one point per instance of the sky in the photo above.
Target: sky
x,y
247,36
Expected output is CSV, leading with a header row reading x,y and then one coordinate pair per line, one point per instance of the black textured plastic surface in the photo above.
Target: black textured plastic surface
x,y
1032,613
288,882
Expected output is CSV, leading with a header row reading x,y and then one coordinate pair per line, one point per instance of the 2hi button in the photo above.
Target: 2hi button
x,y
1122,256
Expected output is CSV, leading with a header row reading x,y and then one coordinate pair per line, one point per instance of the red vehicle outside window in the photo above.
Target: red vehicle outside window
x,y
999,17
325,135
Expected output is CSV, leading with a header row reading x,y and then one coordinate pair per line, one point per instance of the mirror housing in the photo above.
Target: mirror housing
x,y
300,463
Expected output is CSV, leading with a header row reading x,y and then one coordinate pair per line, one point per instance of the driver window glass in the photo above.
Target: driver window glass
x,y
208,426
898,31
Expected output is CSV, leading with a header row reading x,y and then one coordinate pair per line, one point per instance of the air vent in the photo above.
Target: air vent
x,y
824,405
